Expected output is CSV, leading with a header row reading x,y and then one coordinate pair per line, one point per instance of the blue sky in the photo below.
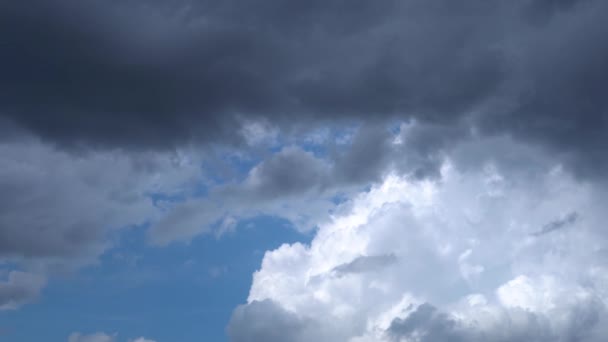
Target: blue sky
x,y
177,293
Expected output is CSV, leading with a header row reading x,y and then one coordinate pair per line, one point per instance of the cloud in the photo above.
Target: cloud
x,y
290,171
19,288
301,186
463,266
141,339
292,183
566,221
55,204
266,321
58,210
172,77
425,324
95,337
365,264
101,337
199,71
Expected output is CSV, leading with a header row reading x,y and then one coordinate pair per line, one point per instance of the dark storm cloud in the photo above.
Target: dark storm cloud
x,y
149,75
154,75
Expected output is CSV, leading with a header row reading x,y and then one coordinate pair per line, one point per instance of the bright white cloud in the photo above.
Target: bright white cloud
x,y
467,264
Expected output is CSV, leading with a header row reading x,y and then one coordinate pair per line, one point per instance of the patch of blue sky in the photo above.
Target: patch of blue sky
x,y
179,293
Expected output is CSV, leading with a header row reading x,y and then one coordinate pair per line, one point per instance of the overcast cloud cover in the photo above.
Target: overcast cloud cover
x,y
445,159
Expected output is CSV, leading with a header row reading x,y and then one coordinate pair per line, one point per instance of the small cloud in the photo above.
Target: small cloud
x,y
95,337
365,264
227,226
217,271
141,339
563,222
20,288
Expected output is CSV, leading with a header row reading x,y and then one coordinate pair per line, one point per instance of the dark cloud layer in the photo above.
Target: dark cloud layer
x,y
153,75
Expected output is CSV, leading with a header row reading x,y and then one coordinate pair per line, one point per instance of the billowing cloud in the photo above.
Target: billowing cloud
x,y
448,259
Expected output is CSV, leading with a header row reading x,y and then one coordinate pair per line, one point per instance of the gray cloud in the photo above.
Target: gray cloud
x,y
20,288
156,76
427,324
366,264
566,221
292,170
58,205
266,321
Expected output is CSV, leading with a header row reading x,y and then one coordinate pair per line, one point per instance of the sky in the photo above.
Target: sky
x,y
282,171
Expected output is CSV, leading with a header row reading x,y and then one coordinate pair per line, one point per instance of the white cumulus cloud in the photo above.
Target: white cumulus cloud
x,y
453,259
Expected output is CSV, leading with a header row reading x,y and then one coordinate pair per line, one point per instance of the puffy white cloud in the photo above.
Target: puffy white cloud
x,y
458,258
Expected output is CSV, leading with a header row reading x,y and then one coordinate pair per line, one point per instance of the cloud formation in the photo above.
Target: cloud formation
x,y
450,155
464,265
197,71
